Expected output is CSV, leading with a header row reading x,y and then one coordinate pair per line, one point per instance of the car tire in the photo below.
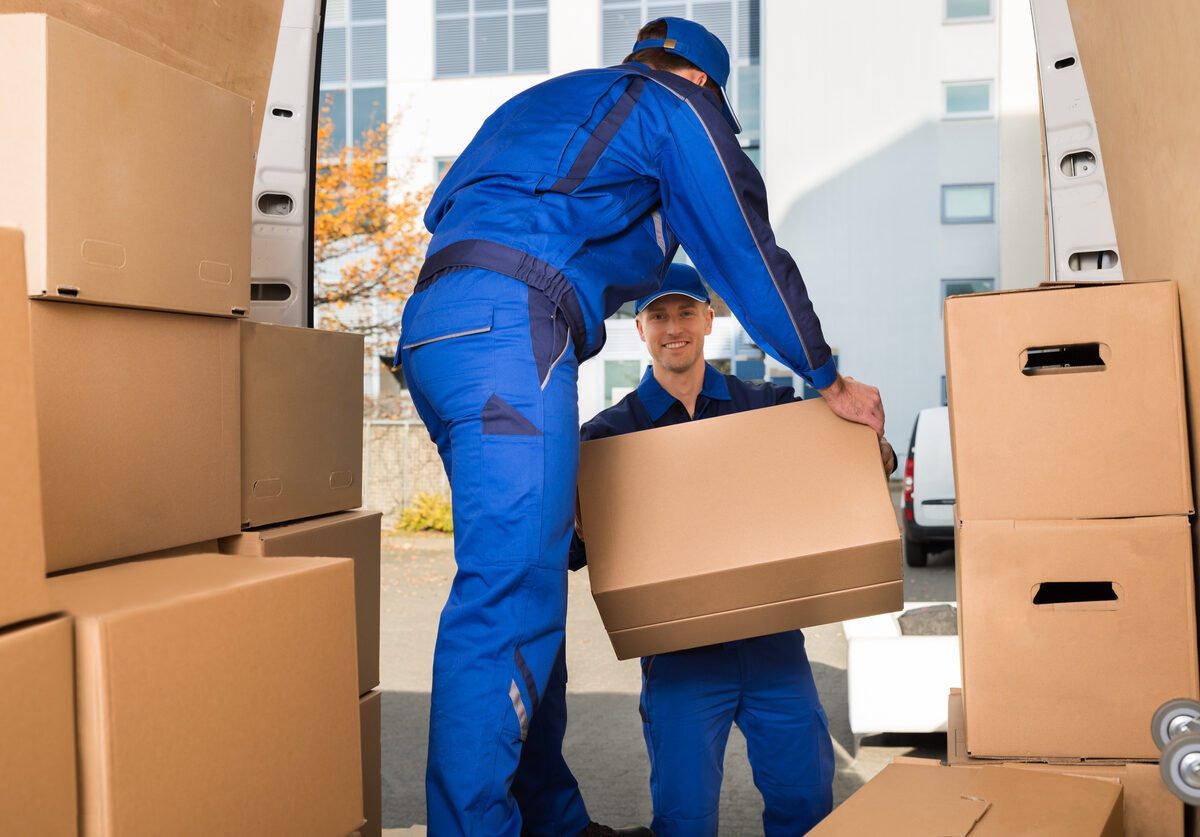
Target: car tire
x,y
915,553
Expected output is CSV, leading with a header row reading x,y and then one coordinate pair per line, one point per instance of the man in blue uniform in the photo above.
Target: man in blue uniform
x,y
691,698
571,199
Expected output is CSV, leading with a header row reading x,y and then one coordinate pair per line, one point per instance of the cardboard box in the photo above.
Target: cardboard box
x,y
352,535
1105,436
805,535
131,179
1140,65
914,798
1070,620
23,559
1150,809
37,728
231,45
138,429
215,695
302,396
370,707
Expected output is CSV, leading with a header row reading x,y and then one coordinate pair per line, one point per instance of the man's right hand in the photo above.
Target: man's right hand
x,y
855,401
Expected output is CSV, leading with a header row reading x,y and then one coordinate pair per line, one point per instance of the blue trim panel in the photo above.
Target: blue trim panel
x,y
509,261
530,685
600,138
502,419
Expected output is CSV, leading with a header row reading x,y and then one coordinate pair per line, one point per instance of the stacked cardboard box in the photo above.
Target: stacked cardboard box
x,y
207,694
1075,573
37,710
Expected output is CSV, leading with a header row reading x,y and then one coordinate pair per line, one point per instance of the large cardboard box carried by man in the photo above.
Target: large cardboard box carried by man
x,y
737,526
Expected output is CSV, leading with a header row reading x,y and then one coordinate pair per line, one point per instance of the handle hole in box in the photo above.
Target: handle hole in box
x,y
1078,164
1092,260
1075,593
1068,358
1063,63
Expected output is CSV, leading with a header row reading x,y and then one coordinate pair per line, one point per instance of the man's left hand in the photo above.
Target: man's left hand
x,y
887,455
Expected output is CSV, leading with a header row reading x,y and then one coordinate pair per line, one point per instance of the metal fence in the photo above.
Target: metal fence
x,y
399,462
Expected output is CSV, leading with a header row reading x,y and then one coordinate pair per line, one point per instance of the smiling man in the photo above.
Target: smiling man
x,y
690,699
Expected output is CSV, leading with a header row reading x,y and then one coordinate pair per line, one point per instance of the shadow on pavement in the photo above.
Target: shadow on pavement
x,y
603,746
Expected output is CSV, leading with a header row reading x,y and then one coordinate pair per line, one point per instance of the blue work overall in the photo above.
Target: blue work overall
x,y
572,199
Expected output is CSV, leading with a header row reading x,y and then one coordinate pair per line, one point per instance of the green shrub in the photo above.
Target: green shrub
x,y
430,511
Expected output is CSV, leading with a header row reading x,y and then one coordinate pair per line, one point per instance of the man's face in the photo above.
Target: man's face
x,y
673,328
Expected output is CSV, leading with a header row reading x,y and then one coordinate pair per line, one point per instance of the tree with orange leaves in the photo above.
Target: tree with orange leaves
x,y
368,239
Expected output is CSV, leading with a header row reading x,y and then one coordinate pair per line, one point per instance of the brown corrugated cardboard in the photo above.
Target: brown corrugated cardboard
x,y
131,180
1103,437
216,694
1150,809
23,559
230,43
352,535
302,391
816,538
912,799
1140,63
37,728
138,429
1040,652
370,708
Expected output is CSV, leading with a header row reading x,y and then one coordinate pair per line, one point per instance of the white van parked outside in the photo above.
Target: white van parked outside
x,y
928,488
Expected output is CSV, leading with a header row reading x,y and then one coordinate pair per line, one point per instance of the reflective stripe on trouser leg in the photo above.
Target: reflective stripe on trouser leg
x,y
513,447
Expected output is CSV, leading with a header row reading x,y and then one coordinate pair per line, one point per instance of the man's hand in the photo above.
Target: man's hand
x,y
888,456
855,402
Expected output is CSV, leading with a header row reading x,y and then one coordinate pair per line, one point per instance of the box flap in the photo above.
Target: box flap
x,y
229,43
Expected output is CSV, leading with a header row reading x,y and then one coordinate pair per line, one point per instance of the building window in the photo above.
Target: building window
x,y
956,287
490,37
968,11
354,67
735,22
620,378
441,165
968,203
968,99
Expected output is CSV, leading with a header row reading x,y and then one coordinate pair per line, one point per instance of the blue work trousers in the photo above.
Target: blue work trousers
x,y
764,685
492,373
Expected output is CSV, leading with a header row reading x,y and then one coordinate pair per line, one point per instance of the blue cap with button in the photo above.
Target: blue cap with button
x,y
704,49
680,279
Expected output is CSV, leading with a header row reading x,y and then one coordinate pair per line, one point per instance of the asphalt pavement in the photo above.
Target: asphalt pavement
x,y
604,745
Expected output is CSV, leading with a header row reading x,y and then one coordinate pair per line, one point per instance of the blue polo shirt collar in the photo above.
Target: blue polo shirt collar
x,y
657,400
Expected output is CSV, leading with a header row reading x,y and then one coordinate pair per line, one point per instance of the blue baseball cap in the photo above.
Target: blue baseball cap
x,y
704,49
680,279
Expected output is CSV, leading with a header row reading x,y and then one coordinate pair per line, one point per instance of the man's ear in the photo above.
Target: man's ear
x,y
641,334
709,314
695,76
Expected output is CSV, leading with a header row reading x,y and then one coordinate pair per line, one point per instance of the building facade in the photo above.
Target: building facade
x,y
900,144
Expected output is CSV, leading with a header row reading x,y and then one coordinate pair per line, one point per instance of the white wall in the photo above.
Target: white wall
x,y
854,152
